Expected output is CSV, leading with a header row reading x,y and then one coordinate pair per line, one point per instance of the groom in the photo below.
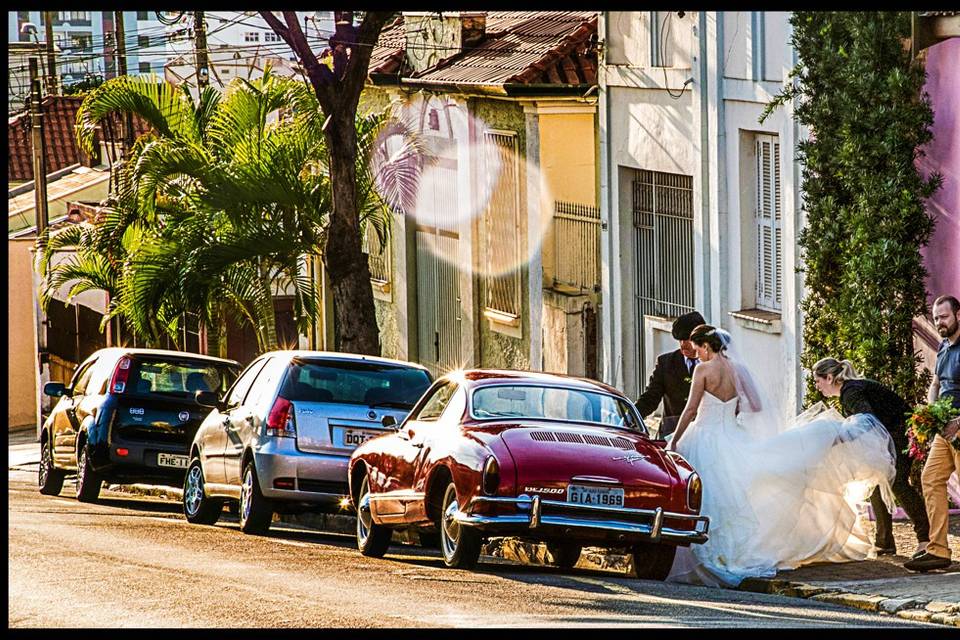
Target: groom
x,y
670,380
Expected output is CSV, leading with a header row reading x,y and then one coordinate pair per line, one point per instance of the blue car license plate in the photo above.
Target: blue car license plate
x,y
595,496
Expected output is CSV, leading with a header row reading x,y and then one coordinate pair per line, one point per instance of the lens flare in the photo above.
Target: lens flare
x,y
456,177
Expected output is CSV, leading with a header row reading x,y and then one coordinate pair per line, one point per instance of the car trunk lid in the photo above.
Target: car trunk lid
x,y
338,428
550,457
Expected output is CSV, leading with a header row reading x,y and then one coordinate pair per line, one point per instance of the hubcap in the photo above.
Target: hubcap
x,y
450,527
246,493
364,520
194,495
45,465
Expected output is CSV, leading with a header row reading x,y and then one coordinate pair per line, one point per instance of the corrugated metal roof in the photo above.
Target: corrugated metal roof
x,y
519,47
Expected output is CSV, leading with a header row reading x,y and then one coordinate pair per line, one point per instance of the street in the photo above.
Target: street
x,y
135,562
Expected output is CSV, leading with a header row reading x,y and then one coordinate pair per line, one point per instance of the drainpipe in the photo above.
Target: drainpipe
x,y
612,370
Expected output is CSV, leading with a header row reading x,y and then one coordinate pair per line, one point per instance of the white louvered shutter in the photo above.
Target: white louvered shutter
x,y
769,222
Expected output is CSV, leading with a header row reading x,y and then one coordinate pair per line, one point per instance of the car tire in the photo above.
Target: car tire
x,y
89,481
198,508
565,554
373,539
49,477
653,561
256,512
459,545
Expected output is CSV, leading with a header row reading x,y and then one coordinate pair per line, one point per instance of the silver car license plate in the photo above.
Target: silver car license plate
x,y
170,460
352,438
595,496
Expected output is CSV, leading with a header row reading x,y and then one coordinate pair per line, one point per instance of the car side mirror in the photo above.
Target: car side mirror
x,y
55,389
208,399
389,422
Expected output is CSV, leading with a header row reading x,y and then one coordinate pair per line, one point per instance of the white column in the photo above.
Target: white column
x,y
610,274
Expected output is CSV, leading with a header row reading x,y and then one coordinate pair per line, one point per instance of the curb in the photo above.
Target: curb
x,y
916,609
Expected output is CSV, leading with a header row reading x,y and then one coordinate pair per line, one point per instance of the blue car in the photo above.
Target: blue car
x,y
128,415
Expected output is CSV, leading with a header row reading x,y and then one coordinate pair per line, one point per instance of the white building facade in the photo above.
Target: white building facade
x,y
700,202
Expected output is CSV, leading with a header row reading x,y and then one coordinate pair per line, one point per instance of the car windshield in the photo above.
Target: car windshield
x,y
179,378
552,403
373,384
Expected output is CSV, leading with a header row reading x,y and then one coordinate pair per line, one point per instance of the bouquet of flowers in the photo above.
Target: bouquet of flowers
x,y
926,421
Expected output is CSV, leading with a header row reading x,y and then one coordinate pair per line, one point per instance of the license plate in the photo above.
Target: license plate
x,y
170,460
352,438
595,496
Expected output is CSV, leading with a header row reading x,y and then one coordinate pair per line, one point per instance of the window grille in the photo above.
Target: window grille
x,y
251,36
503,225
769,224
378,255
663,222
576,233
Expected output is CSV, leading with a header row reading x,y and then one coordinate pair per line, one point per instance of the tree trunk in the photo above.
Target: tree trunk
x,y
345,261
266,314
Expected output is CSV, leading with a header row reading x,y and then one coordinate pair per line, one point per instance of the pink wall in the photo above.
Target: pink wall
x,y
942,255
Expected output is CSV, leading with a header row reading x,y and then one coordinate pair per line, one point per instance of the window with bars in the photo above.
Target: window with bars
x,y
769,224
502,225
576,234
378,254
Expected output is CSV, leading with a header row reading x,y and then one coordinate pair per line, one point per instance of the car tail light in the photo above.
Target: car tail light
x,y
694,492
118,384
123,452
491,476
280,421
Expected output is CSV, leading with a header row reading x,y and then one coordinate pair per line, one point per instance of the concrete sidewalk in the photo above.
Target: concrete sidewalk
x,y
881,585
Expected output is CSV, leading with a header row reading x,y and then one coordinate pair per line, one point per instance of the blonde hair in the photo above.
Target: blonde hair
x,y
841,370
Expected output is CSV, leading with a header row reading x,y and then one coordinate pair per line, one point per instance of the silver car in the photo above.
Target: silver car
x,y
281,438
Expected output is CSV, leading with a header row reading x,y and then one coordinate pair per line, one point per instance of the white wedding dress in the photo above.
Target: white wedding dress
x,y
780,496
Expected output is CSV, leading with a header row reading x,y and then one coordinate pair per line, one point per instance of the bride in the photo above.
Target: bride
x,y
780,494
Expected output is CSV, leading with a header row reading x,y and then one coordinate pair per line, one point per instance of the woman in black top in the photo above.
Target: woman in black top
x,y
860,395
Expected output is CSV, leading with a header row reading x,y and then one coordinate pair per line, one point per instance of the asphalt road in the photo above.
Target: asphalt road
x,y
135,562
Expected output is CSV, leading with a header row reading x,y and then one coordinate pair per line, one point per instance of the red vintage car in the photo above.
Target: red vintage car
x,y
549,458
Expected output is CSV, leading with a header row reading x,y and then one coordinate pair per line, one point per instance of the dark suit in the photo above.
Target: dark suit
x,y
869,396
670,382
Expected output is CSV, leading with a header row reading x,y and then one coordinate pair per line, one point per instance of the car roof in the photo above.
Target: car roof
x,y
346,357
136,351
484,377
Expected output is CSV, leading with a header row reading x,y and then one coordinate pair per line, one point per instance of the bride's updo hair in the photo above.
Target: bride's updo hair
x,y
841,370
706,334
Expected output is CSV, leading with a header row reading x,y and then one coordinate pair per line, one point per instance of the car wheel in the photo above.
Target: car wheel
x,y
256,511
50,478
460,545
653,561
372,539
565,554
88,481
197,506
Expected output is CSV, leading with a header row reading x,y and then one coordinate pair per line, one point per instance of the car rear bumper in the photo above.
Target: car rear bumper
x,y
139,463
316,477
550,518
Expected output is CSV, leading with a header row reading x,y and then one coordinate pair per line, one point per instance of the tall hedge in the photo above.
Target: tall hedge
x,y
861,95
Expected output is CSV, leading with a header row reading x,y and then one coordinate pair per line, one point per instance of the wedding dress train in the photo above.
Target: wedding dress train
x,y
782,498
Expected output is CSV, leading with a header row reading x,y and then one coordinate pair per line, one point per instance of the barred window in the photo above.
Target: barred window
x,y
378,255
502,224
769,224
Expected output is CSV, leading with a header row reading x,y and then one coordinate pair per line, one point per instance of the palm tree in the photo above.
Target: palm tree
x,y
216,208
